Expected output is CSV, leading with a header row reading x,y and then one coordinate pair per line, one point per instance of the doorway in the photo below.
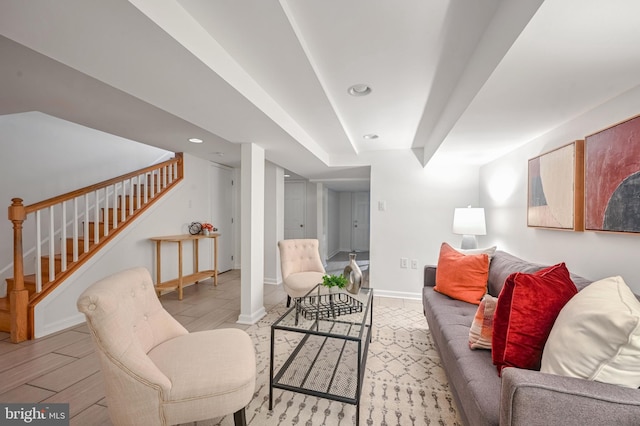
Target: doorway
x,y
295,194
222,214
360,215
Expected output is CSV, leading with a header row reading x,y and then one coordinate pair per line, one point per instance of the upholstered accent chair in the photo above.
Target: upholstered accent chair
x,y
300,265
156,372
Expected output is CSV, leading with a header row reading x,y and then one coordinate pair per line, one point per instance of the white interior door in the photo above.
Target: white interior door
x,y
222,214
360,225
294,209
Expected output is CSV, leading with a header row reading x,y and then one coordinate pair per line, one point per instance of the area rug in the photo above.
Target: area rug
x,y
404,381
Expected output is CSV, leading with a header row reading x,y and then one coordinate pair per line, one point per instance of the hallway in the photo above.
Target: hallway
x,y
336,263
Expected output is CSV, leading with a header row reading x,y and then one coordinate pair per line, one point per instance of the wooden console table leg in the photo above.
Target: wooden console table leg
x,y
158,264
196,256
215,261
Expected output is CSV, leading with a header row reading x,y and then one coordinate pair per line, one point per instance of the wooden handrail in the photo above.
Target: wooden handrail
x,y
87,189
20,303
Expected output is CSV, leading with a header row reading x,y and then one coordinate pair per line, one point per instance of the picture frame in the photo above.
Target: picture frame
x,y
612,178
555,197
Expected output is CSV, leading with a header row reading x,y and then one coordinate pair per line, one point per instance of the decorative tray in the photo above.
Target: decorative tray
x,y
327,306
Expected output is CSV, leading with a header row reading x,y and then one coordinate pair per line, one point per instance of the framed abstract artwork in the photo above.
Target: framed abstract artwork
x,y
612,178
555,189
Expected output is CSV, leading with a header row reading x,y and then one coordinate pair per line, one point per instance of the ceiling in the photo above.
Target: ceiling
x,y
452,80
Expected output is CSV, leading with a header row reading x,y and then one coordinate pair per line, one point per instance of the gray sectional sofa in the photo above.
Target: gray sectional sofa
x,y
520,397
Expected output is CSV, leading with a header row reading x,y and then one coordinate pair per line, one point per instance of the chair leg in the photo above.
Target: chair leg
x,y
288,301
239,418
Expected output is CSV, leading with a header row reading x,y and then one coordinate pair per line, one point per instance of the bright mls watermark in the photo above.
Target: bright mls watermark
x,y
34,414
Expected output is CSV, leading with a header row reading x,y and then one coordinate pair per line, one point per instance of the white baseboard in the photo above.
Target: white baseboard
x,y
333,253
46,329
397,294
253,317
272,281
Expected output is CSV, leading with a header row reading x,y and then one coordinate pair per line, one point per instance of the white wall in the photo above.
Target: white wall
x,y
43,156
235,195
504,194
418,217
273,222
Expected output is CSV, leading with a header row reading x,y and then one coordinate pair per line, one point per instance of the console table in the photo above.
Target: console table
x,y
183,280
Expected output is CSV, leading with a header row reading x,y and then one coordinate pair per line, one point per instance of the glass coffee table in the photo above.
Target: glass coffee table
x,y
324,345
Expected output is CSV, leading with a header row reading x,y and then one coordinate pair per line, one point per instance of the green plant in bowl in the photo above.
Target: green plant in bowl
x,y
334,281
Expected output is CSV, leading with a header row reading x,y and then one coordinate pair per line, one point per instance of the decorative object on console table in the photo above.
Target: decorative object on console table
x,y
207,228
469,222
195,228
353,274
612,178
556,190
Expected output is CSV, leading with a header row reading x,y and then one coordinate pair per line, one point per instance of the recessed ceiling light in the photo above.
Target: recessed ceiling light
x,y
287,176
359,90
195,140
370,136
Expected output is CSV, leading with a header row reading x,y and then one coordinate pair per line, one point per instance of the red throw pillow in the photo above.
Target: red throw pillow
x,y
462,276
527,308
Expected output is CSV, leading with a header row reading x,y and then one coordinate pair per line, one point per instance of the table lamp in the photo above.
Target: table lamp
x,y
469,222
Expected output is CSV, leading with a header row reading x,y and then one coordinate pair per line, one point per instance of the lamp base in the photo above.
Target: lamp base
x,y
469,242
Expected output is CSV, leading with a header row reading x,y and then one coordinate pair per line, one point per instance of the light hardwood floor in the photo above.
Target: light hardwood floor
x,y
63,368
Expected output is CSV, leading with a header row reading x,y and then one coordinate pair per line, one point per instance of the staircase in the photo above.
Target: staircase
x,y
68,230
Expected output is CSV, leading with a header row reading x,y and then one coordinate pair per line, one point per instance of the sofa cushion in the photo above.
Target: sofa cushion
x,y
489,251
482,326
597,336
527,308
460,276
300,283
472,378
504,264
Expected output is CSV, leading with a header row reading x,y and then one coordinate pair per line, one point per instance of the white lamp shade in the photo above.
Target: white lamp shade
x,y
469,221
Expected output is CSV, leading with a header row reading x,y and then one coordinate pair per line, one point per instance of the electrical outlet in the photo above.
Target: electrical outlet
x,y
414,263
404,262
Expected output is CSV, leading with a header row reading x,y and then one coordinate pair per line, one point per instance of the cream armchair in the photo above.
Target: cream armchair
x,y
301,266
155,371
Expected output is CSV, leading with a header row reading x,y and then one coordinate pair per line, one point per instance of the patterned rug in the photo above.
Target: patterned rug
x,y
404,382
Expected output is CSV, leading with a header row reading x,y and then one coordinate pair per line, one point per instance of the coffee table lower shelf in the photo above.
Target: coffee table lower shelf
x,y
324,366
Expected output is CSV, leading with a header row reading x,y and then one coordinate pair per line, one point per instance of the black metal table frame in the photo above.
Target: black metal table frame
x,y
362,354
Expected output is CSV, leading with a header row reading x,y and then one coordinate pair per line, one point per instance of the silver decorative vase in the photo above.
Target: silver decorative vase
x,y
353,274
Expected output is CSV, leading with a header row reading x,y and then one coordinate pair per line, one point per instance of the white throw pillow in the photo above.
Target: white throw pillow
x,y
490,251
597,336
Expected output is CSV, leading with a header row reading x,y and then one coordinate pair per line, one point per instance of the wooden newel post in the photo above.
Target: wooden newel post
x,y
18,295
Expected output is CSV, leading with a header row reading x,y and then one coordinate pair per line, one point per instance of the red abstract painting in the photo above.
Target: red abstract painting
x,y
612,178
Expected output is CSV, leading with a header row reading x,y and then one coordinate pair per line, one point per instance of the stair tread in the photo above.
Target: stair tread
x,y
57,256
